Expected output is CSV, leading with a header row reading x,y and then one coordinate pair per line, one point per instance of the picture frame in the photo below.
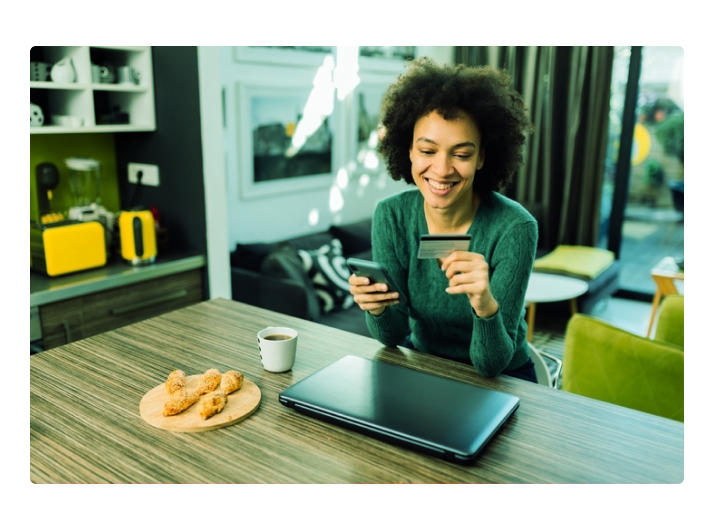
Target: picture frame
x,y
268,115
367,110
385,59
282,55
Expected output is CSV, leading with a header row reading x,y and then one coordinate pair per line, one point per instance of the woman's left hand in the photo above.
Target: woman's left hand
x,y
469,273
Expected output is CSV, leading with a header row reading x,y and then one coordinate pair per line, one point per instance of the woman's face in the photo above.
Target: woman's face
x,y
445,156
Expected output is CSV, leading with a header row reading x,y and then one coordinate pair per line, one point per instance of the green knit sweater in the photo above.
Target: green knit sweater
x,y
445,324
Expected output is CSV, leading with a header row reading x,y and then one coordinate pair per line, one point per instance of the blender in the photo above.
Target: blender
x,y
84,182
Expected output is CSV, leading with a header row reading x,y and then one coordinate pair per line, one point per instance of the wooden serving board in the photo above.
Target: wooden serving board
x,y
240,404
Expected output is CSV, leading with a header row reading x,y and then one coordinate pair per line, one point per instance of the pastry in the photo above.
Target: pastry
x,y
231,381
210,381
212,403
175,381
180,401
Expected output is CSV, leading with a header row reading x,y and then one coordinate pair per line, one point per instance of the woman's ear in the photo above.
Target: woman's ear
x,y
480,161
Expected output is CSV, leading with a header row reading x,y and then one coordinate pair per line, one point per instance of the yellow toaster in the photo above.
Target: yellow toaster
x,y
137,236
66,246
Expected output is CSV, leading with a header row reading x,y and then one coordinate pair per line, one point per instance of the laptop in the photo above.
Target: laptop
x,y
427,413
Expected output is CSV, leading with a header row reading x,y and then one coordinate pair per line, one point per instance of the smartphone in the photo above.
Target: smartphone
x,y
375,272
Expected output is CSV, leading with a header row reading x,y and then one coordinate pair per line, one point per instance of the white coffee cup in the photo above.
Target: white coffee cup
x,y
277,348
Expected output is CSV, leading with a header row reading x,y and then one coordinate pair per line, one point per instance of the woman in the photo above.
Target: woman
x,y
456,133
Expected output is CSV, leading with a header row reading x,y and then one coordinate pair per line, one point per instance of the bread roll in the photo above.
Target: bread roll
x,y
231,381
212,403
210,381
180,401
175,381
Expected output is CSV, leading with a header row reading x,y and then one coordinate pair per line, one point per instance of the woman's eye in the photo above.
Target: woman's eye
x,y
463,156
427,152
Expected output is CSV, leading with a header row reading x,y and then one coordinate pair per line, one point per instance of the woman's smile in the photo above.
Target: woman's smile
x,y
440,188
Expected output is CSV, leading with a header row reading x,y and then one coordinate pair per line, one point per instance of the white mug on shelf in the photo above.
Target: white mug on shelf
x,y
124,75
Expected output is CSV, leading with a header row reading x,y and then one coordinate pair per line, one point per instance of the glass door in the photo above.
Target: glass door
x,y
643,196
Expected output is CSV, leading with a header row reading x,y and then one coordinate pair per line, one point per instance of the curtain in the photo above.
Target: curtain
x,y
567,91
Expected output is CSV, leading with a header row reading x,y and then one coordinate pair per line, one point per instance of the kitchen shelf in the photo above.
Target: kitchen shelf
x,y
119,88
56,129
50,85
93,101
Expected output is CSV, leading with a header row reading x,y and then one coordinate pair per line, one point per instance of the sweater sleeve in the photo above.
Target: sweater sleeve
x,y
391,327
495,340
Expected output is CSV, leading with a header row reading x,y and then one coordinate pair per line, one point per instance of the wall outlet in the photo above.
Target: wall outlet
x,y
150,174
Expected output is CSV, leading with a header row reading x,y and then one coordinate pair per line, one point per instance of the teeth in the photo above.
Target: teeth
x,y
439,186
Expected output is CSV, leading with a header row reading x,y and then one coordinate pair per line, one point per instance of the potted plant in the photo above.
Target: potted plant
x,y
670,133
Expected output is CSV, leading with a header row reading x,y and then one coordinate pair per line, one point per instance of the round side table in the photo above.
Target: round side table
x,y
546,287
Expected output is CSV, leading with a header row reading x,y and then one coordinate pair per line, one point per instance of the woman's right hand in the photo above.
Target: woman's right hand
x,y
372,298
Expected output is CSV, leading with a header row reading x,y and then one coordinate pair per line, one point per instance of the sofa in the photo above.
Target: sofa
x,y
301,276
306,276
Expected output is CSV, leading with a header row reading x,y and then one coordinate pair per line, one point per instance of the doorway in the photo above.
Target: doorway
x,y
642,218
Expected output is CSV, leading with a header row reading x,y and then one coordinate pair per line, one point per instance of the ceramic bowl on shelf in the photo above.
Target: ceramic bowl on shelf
x,y
67,120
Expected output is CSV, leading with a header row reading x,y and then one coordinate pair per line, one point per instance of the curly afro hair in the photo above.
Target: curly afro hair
x,y
482,92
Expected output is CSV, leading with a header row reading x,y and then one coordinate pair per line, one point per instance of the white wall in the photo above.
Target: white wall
x,y
293,212
440,54
216,209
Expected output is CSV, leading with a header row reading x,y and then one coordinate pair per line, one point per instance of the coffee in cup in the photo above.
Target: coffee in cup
x,y
277,337
277,348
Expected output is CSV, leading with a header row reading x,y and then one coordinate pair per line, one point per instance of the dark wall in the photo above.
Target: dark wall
x,y
175,147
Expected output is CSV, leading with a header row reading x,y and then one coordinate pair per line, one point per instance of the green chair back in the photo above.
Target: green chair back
x,y
613,365
670,326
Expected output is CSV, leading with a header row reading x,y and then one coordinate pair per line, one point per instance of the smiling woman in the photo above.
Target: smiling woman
x,y
445,155
456,133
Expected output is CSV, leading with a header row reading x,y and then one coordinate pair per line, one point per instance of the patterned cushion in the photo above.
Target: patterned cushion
x,y
328,271
285,263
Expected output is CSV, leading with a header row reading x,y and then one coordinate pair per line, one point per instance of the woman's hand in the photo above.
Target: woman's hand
x,y
372,298
469,273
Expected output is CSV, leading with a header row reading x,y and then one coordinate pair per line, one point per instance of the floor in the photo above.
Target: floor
x,y
648,235
625,313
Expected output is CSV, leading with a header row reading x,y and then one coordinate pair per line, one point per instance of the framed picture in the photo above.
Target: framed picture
x,y
368,109
283,55
385,58
270,161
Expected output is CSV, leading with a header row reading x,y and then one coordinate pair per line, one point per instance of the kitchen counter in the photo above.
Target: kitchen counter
x,y
45,290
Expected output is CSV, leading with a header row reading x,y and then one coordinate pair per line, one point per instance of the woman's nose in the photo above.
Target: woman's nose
x,y
443,165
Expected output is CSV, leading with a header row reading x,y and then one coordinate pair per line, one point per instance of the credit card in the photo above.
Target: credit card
x,y
440,246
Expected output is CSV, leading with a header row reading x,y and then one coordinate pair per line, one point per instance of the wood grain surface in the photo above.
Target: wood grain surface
x,y
240,404
85,423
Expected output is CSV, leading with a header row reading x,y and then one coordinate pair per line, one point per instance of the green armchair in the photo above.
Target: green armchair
x,y
616,366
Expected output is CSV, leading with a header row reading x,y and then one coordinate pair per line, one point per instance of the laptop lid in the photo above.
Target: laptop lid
x,y
435,415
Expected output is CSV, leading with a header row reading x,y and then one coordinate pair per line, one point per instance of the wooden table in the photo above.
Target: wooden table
x,y
85,425
665,273
548,287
